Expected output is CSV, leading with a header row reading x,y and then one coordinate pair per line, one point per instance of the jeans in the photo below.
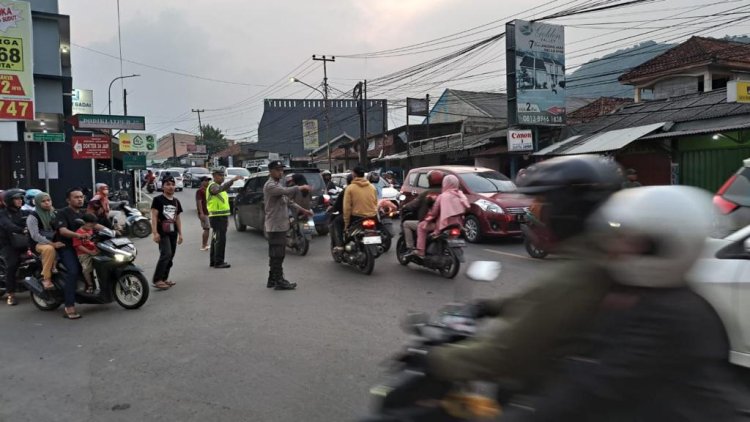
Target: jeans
x,y
69,259
219,226
11,257
167,249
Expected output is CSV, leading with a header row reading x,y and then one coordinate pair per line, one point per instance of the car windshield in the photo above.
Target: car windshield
x,y
238,172
198,170
487,182
171,173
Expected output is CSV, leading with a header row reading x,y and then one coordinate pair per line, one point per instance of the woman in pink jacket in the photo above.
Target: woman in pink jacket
x,y
448,210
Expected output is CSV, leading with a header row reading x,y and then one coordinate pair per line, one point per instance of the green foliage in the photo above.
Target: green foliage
x,y
213,139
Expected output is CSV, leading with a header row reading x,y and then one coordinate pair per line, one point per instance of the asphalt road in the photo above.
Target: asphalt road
x,y
219,346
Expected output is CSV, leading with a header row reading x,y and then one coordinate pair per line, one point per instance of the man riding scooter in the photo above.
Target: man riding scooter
x,y
419,208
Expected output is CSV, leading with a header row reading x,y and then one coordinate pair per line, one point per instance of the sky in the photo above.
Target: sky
x,y
225,56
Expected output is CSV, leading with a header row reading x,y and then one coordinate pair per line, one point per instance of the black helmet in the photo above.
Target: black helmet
x,y
572,188
12,194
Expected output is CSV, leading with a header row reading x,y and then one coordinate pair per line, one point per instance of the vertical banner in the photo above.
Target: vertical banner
x,y
16,61
310,134
536,70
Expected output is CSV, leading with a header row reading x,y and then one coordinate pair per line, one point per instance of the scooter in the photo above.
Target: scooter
x,y
363,242
150,187
135,223
444,252
27,265
536,238
299,234
116,277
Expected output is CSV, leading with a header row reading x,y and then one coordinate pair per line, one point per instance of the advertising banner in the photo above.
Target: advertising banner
x,y
310,134
520,140
738,92
134,162
137,142
91,147
539,73
83,101
417,107
16,61
104,121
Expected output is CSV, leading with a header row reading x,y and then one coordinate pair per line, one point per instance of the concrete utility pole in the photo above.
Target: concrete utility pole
x,y
200,125
325,60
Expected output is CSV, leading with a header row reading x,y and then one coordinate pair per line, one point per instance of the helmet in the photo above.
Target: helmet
x,y
571,188
12,194
435,178
30,195
325,173
100,186
373,177
652,235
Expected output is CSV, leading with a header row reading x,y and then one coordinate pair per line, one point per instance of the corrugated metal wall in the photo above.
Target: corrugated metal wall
x,y
709,169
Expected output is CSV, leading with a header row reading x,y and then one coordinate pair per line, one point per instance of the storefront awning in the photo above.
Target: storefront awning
x,y
601,142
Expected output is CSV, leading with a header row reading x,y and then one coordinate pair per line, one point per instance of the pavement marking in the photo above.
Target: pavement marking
x,y
510,254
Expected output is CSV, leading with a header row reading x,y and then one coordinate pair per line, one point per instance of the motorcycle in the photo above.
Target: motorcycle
x,y
363,242
411,395
150,187
27,266
385,220
444,252
536,238
116,277
135,223
299,234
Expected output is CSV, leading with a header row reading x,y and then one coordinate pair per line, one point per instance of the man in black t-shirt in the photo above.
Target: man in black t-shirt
x,y
167,228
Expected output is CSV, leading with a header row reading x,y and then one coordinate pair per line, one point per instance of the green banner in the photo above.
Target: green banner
x,y
104,121
44,137
134,162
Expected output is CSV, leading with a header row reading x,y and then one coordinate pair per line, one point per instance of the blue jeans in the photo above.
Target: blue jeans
x,y
70,260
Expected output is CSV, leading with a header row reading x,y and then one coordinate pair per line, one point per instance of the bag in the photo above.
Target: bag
x,y
19,241
168,227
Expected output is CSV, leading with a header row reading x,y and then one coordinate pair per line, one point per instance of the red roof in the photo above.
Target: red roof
x,y
600,107
235,149
696,51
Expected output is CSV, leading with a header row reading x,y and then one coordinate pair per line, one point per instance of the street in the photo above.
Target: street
x,y
220,346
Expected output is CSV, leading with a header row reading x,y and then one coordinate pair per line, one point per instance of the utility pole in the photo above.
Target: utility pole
x,y
200,125
174,149
358,95
325,60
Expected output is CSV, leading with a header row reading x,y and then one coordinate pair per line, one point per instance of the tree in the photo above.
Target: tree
x,y
213,139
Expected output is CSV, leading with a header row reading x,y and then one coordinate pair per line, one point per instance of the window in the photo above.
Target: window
x,y
238,171
422,181
487,182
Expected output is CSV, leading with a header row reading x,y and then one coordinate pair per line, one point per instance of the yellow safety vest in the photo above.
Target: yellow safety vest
x,y
218,205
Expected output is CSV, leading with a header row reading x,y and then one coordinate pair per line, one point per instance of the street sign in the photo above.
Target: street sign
x,y
137,142
198,156
91,147
134,162
103,121
16,61
43,137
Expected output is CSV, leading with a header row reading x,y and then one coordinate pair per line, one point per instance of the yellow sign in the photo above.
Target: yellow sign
x,y
16,61
738,92
137,142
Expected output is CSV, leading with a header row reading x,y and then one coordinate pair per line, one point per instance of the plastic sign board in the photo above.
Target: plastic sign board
x,y
16,61
43,137
520,140
83,101
137,142
310,134
738,92
91,147
104,121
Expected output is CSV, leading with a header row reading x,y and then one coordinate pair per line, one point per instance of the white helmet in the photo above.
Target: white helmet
x,y
652,235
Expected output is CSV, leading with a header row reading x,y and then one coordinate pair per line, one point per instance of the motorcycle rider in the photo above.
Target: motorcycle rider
x,y
534,324
327,180
337,224
448,210
421,206
28,203
360,199
12,221
656,350
301,198
99,205
42,234
374,178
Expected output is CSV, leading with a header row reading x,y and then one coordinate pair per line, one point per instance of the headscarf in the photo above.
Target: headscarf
x,y
103,199
451,202
45,216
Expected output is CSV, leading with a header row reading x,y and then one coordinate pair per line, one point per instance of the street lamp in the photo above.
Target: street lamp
x,y
109,90
325,109
109,105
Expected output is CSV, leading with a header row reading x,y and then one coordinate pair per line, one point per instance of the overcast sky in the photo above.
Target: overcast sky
x,y
255,44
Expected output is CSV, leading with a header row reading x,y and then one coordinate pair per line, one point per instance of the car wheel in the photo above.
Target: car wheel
x,y
472,229
238,222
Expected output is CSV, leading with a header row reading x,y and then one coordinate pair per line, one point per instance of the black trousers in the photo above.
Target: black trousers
x,y
219,227
167,249
11,257
337,230
276,254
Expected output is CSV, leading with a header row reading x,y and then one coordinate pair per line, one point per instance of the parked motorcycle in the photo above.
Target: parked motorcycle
x,y
299,234
135,223
116,277
536,238
444,252
363,242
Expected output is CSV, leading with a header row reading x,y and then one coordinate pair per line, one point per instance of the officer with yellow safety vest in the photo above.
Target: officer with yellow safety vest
x,y
217,202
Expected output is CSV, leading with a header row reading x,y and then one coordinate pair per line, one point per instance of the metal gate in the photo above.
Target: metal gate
x,y
709,169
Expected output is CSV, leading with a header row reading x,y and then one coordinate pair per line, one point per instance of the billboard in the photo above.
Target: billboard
x,y
83,101
137,142
738,92
91,147
310,134
536,73
16,61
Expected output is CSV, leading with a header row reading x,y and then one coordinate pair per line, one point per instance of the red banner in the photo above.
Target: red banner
x,y
94,146
16,110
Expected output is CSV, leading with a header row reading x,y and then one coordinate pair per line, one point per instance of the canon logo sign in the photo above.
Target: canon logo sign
x,y
521,135
520,140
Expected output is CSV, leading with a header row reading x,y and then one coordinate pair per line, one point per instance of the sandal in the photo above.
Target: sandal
x,y
161,285
11,300
71,314
170,283
89,290
48,285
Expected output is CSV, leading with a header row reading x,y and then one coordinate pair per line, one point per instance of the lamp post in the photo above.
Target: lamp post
x,y
325,110
109,107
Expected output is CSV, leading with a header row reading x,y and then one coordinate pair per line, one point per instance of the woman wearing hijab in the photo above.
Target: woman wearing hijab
x,y
99,205
41,233
448,210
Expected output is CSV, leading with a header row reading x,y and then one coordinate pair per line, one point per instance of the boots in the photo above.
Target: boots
x,y
271,280
282,284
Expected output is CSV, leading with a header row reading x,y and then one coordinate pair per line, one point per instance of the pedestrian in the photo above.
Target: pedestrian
x,y
276,198
200,205
86,249
217,204
632,181
167,229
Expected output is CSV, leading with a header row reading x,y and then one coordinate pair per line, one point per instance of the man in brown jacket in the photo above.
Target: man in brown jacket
x,y
360,199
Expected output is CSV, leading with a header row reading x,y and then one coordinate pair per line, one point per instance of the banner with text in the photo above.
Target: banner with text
x,y
91,147
310,134
83,101
16,61
520,140
137,142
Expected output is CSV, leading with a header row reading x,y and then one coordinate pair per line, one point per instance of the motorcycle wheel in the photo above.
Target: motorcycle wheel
x,y
368,264
533,250
303,245
401,251
141,229
131,290
46,304
387,240
450,271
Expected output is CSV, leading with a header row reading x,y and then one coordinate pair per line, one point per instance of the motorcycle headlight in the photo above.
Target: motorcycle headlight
x,y
488,206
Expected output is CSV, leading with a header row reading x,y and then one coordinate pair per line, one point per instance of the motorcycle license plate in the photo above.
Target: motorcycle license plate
x,y
372,240
456,242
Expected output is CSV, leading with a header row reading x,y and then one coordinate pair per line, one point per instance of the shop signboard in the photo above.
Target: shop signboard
x,y
134,162
83,101
16,61
738,92
91,147
137,142
310,134
104,121
520,140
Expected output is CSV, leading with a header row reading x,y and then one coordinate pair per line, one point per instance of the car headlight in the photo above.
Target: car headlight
x,y
488,206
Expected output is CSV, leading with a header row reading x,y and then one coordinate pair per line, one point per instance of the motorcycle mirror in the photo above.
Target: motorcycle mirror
x,y
484,270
